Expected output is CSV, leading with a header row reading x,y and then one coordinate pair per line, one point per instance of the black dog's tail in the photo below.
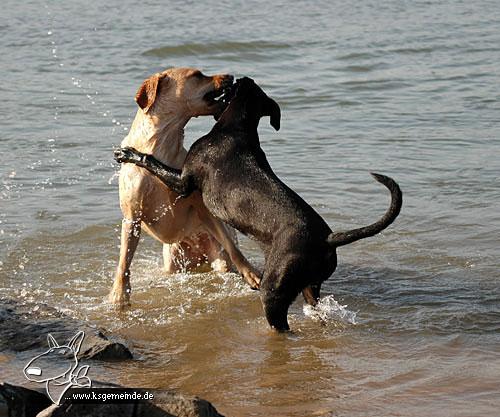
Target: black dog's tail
x,y
344,238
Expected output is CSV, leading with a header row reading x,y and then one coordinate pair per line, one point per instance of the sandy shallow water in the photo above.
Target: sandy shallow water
x,y
409,89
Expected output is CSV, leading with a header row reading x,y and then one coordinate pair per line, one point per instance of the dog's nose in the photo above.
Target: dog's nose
x,y
34,371
224,81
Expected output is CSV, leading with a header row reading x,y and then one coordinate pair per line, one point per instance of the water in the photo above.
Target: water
x,y
409,89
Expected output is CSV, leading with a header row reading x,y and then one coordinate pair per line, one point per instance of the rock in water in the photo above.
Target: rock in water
x,y
23,402
25,326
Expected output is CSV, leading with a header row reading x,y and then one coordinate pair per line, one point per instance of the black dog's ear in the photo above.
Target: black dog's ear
x,y
273,110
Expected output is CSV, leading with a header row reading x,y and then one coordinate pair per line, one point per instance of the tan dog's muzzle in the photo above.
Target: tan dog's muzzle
x,y
223,81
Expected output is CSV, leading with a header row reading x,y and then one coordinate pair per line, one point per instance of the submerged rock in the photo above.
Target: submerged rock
x,y
23,402
25,326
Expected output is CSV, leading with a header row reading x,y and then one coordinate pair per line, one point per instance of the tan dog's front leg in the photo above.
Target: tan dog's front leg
x,y
131,232
219,231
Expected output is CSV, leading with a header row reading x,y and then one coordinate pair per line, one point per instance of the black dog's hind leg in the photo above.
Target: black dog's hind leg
x,y
311,294
171,177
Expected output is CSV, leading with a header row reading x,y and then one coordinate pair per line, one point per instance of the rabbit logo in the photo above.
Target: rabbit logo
x,y
58,368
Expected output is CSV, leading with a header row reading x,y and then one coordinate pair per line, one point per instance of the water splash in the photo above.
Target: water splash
x,y
328,309
114,176
88,90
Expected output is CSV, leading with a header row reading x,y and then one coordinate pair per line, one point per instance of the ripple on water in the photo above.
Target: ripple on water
x,y
207,48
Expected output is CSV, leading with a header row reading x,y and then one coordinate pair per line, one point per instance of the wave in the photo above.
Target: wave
x,y
214,47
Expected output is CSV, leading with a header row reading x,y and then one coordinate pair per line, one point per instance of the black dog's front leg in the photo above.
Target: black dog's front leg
x,y
171,177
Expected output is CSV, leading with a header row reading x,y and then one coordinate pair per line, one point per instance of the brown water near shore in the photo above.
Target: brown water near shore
x,y
409,89
205,334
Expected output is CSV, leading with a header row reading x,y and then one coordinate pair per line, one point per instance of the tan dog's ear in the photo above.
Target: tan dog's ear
x,y
146,95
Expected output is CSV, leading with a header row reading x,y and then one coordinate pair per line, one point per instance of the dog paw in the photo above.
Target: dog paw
x,y
128,155
252,278
119,297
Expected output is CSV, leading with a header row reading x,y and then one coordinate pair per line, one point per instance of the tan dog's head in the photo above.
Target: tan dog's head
x,y
184,91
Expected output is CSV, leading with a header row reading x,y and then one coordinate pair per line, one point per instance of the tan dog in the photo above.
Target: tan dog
x,y
188,231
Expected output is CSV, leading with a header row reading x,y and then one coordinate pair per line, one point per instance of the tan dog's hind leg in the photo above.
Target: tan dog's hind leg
x,y
217,257
181,257
219,231
174,260
131,232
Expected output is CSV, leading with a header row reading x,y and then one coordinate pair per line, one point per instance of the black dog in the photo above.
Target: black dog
x,y
239,187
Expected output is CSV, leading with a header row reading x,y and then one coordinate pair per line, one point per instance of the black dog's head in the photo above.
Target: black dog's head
x,y
247,102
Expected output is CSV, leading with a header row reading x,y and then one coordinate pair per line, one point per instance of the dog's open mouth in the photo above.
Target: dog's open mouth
x,y
214,96
229,93
222,97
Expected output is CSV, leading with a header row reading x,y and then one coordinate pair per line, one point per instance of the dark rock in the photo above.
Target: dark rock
x,y
185,406
25,326
22,402
104,410
105,350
